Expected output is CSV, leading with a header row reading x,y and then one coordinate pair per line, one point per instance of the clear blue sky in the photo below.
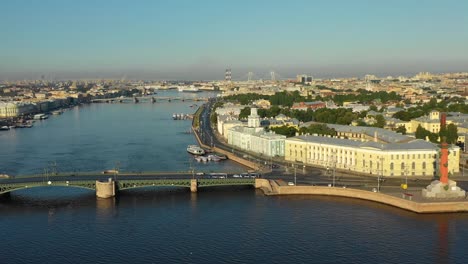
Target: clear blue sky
x,y
198,39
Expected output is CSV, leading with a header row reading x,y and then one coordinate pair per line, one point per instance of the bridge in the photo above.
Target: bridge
x,y
149,99
110,188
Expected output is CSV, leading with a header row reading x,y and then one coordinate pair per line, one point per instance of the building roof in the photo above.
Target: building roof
x,y
413,145
382,134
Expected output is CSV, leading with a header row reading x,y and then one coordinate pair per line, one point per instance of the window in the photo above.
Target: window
x,y
424,165
402,166
413,165
391,166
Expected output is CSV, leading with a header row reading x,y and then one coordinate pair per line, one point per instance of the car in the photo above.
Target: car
x,y
291,183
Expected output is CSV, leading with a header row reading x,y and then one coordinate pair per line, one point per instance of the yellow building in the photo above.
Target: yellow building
x,y
413,158
432,121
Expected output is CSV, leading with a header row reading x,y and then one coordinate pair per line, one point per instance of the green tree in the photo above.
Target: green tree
x,y
420,132
380,121
320,129
373,108
284,130
244,113
401,129
214,118
452,134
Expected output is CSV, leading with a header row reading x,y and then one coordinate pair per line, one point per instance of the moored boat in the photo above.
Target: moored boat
x,y
195,150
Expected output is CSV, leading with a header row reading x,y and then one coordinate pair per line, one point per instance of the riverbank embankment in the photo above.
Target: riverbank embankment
x,y
271,187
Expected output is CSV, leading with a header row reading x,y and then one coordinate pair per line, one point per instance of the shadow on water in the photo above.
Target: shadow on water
x,y
358,204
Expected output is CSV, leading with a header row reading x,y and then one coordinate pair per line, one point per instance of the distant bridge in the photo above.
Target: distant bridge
x,y
149,99
111,187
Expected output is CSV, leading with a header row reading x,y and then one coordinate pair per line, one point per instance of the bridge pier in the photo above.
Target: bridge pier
x,y
193,185
105,189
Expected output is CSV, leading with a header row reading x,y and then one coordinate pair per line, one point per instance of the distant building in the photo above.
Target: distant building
x,y
304,106
14,109
304,78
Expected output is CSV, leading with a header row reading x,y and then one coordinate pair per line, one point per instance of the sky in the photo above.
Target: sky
x,y
198,40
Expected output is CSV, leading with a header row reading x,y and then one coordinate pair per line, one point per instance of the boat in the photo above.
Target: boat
x,y
110,172
5,128
189,89
213,157
57,112
220,156
40,116
4,176
195,150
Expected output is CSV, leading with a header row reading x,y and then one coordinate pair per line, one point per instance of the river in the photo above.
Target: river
x,y
172,225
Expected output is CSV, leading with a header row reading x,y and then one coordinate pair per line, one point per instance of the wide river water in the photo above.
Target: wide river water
x,y
172,225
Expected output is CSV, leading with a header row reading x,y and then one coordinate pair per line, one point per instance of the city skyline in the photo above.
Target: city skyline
x,y
198,40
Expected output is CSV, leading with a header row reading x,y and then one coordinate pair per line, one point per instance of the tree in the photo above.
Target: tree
x,y
214,118
284,130
420,132
380,121
244,113
320,129
452,134
401,129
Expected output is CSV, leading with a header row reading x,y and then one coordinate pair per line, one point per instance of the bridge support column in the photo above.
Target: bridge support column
x,y
193,185
105,189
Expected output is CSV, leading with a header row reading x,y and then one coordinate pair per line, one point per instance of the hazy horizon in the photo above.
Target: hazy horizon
x,y
198,40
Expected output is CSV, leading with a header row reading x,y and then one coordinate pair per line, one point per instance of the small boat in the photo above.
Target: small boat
x,y
195,150
213,157
110,172
5,128
40,116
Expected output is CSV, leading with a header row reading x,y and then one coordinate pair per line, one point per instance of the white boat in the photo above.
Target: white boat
x,y
195,150
212,157
189,89
40,116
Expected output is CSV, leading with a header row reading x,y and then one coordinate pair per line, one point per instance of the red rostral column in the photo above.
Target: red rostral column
x,y
443,165
443,162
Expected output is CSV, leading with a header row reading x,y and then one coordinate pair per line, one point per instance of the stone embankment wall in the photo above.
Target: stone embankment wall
x,y
237,159
426,207
263,184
